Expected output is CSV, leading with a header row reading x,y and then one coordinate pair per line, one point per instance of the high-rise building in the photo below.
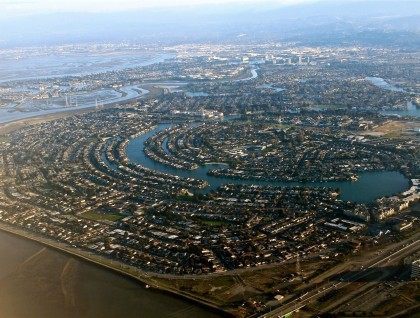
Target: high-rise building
x,y
300,60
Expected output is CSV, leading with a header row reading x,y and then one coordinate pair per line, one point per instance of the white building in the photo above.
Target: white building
x,y
415,268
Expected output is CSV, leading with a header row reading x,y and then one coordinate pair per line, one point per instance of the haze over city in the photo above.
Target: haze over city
x,y
48,6
206,159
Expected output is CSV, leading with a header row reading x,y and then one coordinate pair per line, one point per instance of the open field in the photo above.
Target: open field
x,y
102,216
396,129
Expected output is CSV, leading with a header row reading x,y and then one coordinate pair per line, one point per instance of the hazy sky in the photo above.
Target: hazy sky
x,y
13,7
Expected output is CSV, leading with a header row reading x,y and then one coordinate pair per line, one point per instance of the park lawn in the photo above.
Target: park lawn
x,y
4,138
95,216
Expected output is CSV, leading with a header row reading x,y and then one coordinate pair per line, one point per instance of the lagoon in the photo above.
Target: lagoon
x,y
370,186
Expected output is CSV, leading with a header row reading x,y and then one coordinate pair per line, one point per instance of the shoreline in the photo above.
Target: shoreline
x,y
36,119
137,275
14,124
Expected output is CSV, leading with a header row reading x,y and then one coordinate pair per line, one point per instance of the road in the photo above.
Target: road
x,y
366,269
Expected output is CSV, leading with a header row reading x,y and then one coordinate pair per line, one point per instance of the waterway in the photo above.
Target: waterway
x,y
39,282
87,100
369,187
59,65
272,87
412,111
254,74
197,94
381,83
77,64
31,109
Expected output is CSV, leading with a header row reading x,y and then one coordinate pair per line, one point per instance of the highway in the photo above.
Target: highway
x,y
346,280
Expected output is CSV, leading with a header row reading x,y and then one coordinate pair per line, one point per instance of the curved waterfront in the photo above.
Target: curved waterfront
x,y
369,187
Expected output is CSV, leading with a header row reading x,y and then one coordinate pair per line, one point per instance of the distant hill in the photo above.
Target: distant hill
x,y
335,23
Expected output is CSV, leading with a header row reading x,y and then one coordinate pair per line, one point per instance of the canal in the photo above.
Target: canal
x,y
370,185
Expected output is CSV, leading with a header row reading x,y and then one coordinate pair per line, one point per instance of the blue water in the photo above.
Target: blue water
x,y
369,187
197,94
411,110
381,83
271,86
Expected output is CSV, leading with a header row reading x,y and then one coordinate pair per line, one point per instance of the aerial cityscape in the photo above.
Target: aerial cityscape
x,y
207,173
